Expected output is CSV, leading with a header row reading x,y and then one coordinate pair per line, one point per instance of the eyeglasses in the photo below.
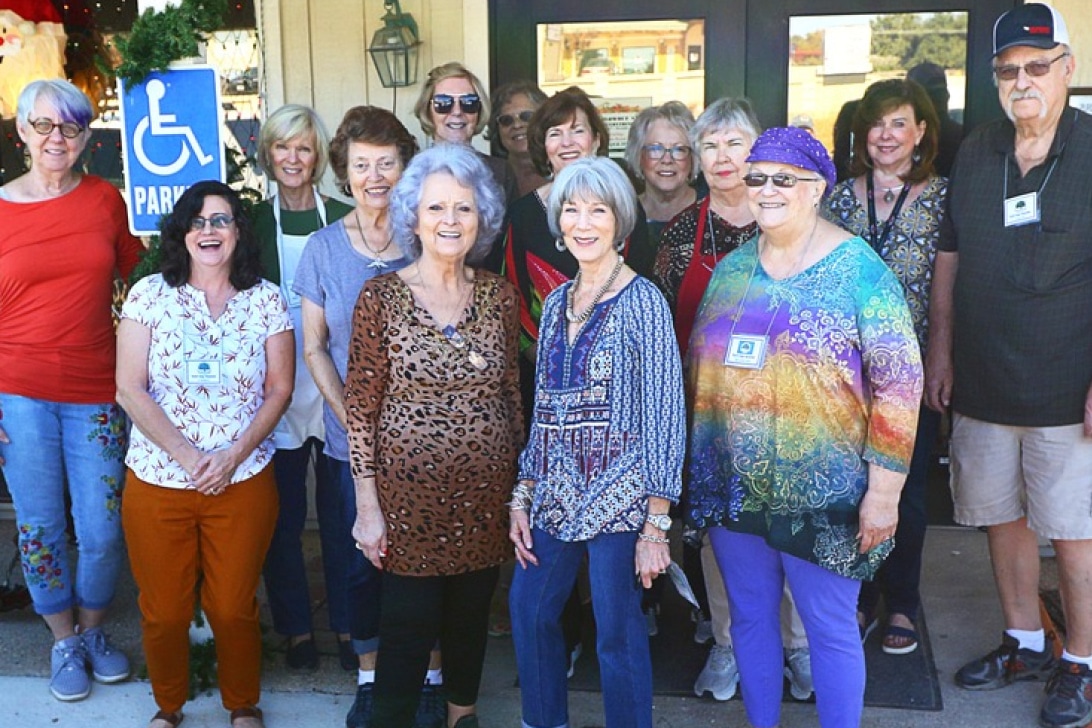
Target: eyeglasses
x,y
443,104
781,179
656,152
507,120
383,165
219,221
1034,69
45,127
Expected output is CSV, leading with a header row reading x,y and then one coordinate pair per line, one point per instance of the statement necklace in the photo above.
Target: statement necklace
x,y
378,263
584,315
451,334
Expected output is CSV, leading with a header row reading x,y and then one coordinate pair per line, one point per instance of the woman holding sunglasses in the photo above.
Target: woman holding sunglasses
x,y
63,239
453,107
513,106
660,156
805,379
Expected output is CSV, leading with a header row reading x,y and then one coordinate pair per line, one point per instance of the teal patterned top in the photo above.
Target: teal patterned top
x,y
782,451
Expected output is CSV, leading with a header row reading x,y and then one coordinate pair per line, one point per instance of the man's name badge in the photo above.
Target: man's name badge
x,y
746,351
202,371
1022,210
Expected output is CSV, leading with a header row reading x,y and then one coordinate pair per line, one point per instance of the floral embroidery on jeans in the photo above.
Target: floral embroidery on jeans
x,y
113,495
40,567
109,429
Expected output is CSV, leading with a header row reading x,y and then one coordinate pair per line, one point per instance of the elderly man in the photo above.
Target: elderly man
x,y
1011,351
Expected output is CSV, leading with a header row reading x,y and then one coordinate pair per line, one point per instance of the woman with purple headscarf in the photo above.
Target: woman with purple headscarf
x,y
806,378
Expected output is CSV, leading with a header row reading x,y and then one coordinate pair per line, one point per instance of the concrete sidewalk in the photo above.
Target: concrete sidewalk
x,y
960,602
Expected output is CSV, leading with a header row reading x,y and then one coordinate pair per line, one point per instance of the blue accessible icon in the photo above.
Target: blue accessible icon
x,y
170,140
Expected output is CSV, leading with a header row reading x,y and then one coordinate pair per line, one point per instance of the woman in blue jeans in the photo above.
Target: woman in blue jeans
x,y
604,459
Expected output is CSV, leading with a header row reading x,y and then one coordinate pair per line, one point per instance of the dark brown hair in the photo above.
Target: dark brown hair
x,y
560,109
881,98
369,125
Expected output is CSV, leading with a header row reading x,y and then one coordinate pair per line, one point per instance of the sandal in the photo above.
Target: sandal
x,y
899,640
241,713
172,719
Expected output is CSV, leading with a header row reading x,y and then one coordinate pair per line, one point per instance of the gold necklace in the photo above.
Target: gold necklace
x,y
378,263
584,315
450,332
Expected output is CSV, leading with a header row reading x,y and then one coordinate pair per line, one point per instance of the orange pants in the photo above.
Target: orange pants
x,y
172,536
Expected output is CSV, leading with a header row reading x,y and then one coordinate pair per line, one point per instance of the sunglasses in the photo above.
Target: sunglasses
x,y
506,120
1034,69
219,221
45,127
656,152
781,179
443,104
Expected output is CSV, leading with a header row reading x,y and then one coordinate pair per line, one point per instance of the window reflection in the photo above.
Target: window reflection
x,y
625,66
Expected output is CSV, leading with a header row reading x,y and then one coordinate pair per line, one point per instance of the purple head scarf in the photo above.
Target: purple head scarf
x,y
792,145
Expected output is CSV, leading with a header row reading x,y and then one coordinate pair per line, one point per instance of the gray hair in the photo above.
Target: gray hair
x,y
72,105
594,178
673,112
722,114
462,163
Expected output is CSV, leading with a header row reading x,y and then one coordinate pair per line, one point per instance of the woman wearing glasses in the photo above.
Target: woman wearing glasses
x,y
453,107
205,370
895,201
659,154
805,378
63,240
513,106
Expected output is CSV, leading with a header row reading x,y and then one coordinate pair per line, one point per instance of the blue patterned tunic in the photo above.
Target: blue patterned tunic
x,y
609,420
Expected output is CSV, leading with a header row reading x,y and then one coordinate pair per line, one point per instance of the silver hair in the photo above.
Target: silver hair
x,y
72,104
462,163
673,112
722,114
594,178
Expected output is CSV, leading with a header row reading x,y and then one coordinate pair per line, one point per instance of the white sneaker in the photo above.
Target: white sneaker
x,y
720,676
798,671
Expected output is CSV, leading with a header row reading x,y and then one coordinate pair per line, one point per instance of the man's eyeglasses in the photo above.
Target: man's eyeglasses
x,y
656,152
506,120
45,127
781,179
1034,69
219,221
443,104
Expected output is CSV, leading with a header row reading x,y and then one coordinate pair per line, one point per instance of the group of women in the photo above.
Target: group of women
x,y
488,355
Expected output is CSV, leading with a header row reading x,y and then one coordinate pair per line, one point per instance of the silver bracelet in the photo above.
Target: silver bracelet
x,y
652,539
522,497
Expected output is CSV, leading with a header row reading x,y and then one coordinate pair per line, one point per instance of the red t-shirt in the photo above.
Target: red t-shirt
x,y
58,260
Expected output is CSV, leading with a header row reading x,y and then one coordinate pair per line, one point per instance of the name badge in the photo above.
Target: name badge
x,y
1022,210
746,351
294,299
202,372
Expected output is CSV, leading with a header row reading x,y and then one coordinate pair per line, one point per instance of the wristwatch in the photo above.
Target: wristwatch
x,y
661,521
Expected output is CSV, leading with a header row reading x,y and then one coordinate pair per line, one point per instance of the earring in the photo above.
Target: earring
x,y
560,245
916,156
620,245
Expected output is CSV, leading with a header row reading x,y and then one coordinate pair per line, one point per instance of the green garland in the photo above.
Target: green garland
x,y
158,39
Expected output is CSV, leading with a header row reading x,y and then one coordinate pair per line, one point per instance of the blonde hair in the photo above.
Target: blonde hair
x,y
454,69
288,122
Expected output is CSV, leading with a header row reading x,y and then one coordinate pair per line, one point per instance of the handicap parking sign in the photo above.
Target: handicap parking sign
x,y
170,140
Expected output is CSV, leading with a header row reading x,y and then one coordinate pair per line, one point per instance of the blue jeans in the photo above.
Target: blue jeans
x,y
754,575
537,598
284,571
52,442
362,579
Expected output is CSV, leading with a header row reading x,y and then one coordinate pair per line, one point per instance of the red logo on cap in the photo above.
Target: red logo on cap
x,y
1038,29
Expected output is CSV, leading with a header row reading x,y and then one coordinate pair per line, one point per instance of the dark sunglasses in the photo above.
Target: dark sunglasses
x,y
444,103
45,127
219,221
506,120
1033,68
781,179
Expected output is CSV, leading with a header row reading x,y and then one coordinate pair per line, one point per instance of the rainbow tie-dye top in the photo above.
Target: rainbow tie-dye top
x,y
782,451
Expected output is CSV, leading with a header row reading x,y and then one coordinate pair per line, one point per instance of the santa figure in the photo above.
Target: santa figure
x,y
32,44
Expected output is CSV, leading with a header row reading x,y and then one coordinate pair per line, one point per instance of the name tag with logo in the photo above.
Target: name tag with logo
x,y
1022,210
746,351
202,371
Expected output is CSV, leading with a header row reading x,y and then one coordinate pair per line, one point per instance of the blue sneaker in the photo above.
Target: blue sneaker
x,y
68,663
360,715
432,710
108,665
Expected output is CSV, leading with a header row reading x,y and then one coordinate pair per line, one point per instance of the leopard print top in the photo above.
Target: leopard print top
x,y
439,434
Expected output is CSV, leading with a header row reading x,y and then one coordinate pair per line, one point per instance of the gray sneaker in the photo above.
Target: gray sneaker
x,y
1007,664
1069,697
798,671
108,665
68,663
720,676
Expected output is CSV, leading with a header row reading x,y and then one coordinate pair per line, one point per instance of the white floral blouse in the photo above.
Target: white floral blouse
x,y
207,375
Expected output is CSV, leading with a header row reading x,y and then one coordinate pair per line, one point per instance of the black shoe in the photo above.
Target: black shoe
x,y
1069,697
361,713
1007,664
302,656
346,656
432,710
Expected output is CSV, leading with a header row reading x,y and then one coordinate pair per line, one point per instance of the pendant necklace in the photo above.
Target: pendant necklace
x,y
584,315
877,236
455,338
377,263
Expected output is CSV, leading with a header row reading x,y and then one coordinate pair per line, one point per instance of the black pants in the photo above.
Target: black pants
x,y
416,612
